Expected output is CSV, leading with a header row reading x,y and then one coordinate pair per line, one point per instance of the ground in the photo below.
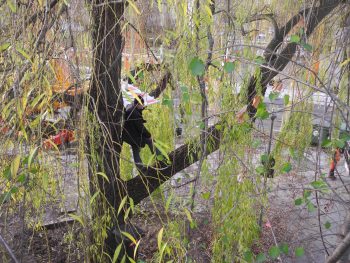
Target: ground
x,y
284,222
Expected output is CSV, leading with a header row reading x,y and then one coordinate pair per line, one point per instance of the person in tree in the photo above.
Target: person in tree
x,y
135,133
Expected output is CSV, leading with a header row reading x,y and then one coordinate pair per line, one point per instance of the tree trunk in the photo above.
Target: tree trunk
x,y
106,107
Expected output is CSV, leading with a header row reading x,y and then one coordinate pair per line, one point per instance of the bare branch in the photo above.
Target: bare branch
x,y
144,40
8,249
270,17
34,17
340,250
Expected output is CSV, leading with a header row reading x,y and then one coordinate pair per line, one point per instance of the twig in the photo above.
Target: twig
x,y
274,238
34,17
269,17
8,249
185,183
144,40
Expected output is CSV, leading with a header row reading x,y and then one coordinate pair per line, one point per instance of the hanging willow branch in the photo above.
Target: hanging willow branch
x,y
151,178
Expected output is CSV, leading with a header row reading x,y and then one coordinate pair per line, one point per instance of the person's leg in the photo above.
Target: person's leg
x,y
136,154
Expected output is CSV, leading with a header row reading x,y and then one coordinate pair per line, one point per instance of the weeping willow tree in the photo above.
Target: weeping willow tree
x,y
201,58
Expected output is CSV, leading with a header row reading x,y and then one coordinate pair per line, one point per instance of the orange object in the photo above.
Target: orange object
x,y
72,91
58,105
62,75
334,161
126,64
316,67
337,155
256,101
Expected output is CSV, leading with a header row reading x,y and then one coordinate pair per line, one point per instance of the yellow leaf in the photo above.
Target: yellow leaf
x,y
23,53
208,10
94,197
160,237
116,253
345,62
77,218
129,236
161,252
15,165
136,247
4,46
131,260
122,203
32,156
103,175
132,4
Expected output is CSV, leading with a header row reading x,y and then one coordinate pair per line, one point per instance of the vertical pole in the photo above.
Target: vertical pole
x,y
273,117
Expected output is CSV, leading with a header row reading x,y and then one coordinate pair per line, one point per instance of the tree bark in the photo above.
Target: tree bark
x,y
106,107
161,85
105,93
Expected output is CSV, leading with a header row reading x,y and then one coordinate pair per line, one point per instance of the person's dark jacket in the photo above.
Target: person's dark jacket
x,y
134,132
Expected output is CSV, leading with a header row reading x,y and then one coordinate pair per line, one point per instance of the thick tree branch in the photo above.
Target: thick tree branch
x,y
161,85
280,60
151,178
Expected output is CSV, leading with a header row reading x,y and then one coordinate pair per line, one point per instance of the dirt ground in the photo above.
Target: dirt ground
x,y
284,223
53,245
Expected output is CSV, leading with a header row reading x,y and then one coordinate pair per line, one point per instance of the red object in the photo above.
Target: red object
x,y
268,224
334,161
63,136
